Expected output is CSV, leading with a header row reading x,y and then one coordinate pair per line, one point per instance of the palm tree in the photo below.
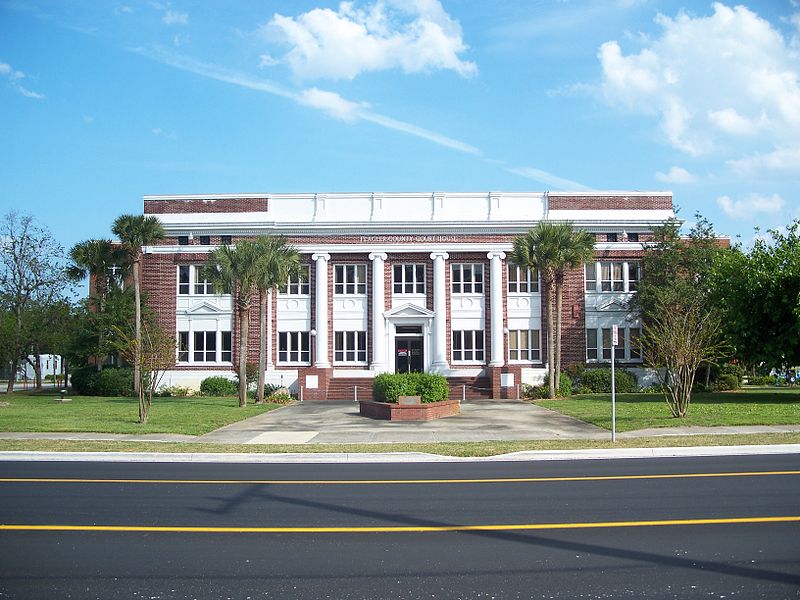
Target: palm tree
x,y
577,249
234,270
277,261
135,231
552,248
95,259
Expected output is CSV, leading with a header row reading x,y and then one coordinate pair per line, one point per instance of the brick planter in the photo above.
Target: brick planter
x,y
411,412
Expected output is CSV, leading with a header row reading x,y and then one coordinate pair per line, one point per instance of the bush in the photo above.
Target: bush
x,y
431,387
733,369
280,398
251,374
729,381
535,392
174,391
111,381
599,381
762,380
652,389
218,386
699,387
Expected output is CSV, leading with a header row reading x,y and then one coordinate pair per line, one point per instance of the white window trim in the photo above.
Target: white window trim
x,y
471,361
297,282
360,267
523,361
598,288
529,280
625,336
191,347
472,265
289,351
346,349
414,281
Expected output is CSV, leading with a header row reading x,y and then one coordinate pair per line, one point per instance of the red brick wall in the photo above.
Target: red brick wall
x,y
210,205
621,202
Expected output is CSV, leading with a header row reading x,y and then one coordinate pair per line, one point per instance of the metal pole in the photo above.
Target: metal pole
x,y
613,398
355,393
301,393
517,386
463,392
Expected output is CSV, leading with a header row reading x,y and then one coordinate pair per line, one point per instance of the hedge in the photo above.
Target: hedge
x,y
599,381
218,386
431,387
111,381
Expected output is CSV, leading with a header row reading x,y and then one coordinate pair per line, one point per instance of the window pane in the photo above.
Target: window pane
x,y
226,347
199,346
183,346
591,277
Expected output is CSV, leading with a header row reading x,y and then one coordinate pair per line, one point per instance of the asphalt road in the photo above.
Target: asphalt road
x,y
667,528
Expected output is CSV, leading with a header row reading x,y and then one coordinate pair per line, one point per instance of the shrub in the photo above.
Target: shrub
x,y
599,381
700,387
280,398
725,382
535,392
652,389
111,381
762,380
431,387
218,386
732,369
251,374
174,391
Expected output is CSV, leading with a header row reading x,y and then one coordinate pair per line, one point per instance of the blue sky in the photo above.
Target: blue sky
x,y
102,102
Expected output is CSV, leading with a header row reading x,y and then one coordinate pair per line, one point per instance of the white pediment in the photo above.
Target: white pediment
x,y
409,311
612,304
204,308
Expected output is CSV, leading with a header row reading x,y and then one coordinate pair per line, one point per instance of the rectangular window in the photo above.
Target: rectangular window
x,y
522,280
468,346
201,284
183,279
591,344
205,346
633,237
635,334
350,279
524,345
297,285
467,278
183,240
294,347
619,350
350,346
606,344
590,273
205,240
225,240
611,237
183,346
611,277
633,276
408,279
227,354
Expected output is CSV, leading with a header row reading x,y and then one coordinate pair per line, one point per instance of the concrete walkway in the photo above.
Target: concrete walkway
x,y
340,423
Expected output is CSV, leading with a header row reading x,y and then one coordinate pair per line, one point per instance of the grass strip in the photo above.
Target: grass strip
x,y
462,449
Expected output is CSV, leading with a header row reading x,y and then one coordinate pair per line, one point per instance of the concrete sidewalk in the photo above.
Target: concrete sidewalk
x,y
340,423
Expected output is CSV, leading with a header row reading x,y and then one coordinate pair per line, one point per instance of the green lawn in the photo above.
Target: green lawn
x,y
752,406
191,416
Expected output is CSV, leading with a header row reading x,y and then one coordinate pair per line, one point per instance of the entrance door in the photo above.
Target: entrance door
x,y
409,354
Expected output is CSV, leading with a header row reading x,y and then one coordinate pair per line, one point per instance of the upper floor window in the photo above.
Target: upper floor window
x,y
522,280
633,237
183,240
225,240
192,281
350,279
611,237
183,279
467,278
408,279
612,276
205,240
297,285
201,284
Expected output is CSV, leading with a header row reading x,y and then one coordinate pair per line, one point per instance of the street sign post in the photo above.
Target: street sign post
x,y
614,342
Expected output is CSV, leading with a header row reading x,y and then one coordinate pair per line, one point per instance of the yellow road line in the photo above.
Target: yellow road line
x,y
393,481
398,529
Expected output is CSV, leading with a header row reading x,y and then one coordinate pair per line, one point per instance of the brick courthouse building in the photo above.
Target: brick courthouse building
x,y
400,282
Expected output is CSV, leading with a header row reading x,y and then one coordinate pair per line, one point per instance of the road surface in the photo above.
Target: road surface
x,y
669,528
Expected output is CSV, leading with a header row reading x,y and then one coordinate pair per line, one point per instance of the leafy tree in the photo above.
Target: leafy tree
x,y
277,261
31,279
552,249
758,292
95,259
135,231
235,270
681,324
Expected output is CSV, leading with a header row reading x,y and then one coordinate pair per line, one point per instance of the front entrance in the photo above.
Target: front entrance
x,y
408,351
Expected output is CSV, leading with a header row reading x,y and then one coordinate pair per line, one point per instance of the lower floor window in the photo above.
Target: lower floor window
x,y
205,347
468,346
524,344
628,344
350,346
294,347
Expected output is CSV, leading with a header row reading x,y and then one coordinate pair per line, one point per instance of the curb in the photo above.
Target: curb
x,y
397,457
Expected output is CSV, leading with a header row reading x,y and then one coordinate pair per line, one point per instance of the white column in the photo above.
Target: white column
x,y
440,310
378,307
270,362
321,313
496,306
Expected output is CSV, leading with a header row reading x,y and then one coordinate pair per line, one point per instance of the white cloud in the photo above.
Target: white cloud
x,y
265,60
156,131
781,161
554,181
175,17
331,103
724,82
15,78
753,203
413,35
676,175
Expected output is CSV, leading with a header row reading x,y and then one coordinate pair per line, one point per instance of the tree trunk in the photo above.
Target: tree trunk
x,y
550,342
102,336
262,344
38,384
244,330
12,376
137,362
559,301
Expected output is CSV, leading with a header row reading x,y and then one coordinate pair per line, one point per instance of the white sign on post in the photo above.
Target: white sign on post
x,y
615,335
